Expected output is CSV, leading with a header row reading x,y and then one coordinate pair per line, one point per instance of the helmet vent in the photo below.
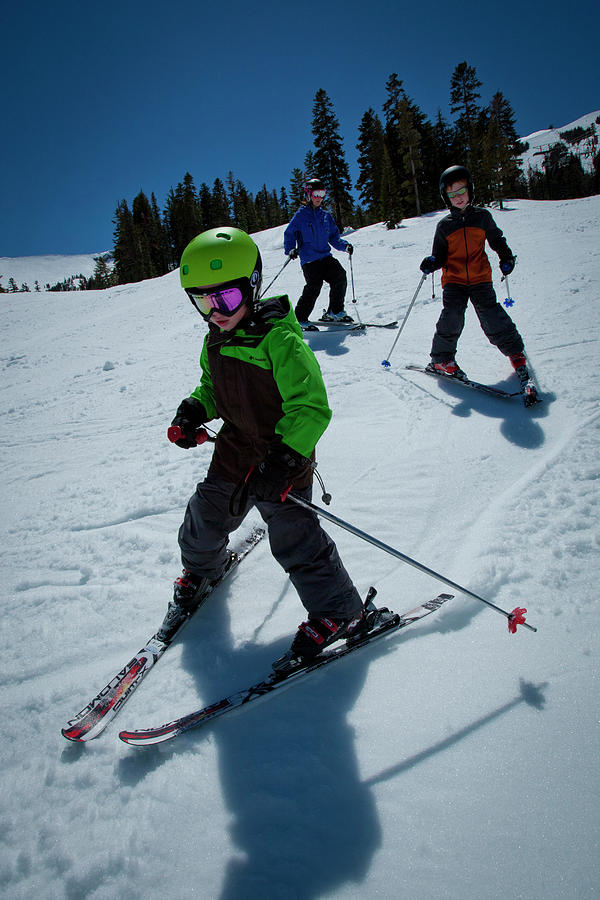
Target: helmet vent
x,y
221,234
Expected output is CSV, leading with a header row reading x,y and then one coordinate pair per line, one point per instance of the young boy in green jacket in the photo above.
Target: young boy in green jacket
x,y
264,382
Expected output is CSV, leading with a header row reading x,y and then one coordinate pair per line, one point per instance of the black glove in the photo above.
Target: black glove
x,y
293,254
275,473
507,265
189,417
349,249
428,265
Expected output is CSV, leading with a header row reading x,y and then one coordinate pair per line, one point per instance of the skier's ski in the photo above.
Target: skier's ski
x,y
385,622
94,717
348,326
486,388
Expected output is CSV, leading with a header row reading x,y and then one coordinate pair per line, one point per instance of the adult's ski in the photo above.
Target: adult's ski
x,y
93,718
384,623
467,382
347,326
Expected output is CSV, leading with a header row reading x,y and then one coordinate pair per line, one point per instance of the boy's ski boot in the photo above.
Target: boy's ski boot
x,y
519,364
450,368
187,594
339,318
312,637
308,326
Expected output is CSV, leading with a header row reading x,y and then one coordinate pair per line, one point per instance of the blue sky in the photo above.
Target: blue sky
x,y
101,102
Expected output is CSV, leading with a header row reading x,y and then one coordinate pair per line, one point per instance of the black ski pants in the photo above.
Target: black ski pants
x,y
315,273
497,325
298,543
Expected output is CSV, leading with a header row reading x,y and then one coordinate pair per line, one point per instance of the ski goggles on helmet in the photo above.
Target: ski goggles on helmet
x,y
318,193
458,193
227,301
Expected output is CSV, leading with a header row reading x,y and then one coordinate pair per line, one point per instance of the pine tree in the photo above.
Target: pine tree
x,y
500,170
126,263
371,148
142,223
296,190
330,159
464,94
220,210
390,203
284,206
410,141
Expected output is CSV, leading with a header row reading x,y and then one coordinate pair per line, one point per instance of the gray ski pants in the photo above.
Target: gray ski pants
x,y
298,543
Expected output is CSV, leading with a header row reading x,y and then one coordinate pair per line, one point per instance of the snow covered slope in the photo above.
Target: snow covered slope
x,y
585,145
454,762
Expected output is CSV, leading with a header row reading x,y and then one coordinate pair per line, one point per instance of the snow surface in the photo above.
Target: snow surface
x,y
451,762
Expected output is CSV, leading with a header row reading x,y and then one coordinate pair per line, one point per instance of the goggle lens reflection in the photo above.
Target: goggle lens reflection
x,y
227,301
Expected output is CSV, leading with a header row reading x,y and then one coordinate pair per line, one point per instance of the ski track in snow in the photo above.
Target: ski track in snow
x,y
453,762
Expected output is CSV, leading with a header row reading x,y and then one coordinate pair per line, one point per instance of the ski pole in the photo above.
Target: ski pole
x,y
386,362
288,260
509,300
352,283
516,617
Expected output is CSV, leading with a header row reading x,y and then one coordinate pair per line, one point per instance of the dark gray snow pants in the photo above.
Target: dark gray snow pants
x,y
497,325
298,543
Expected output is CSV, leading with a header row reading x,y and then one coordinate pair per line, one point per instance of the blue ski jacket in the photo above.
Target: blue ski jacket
x,y
312,231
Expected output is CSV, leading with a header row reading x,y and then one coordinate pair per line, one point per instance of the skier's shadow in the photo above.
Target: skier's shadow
x,y
303,821
519,426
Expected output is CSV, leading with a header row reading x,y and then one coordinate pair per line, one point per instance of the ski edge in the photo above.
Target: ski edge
x,y
396,621
93,718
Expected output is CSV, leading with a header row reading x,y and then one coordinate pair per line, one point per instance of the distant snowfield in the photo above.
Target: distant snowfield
x,y
451,762
542,140
45,269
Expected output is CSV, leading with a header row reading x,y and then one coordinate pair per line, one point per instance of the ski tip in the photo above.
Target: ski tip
x,y
72,734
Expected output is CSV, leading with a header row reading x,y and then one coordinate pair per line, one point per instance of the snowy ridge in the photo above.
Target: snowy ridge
x,y
586,148
456,762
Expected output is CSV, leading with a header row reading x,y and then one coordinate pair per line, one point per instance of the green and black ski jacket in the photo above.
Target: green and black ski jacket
x,y
265,383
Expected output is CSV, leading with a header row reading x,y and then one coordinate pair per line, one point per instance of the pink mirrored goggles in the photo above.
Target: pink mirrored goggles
x,y
226,301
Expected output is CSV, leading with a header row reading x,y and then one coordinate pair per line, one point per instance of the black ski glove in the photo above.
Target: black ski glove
x,y
189,417
349,249
428,265
507,265
293,254
271,477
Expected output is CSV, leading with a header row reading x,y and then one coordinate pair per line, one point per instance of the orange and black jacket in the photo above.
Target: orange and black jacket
x,y
459,246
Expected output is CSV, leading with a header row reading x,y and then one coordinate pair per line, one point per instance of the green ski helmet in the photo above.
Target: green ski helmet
x,y
227,257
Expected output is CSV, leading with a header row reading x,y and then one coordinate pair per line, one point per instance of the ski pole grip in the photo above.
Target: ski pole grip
x,y
175,433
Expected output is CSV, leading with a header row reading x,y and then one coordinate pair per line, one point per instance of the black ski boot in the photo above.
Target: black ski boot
x,y
187,595
312,637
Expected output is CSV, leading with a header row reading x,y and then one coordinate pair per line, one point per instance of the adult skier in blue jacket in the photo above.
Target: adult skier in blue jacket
x,y
310,235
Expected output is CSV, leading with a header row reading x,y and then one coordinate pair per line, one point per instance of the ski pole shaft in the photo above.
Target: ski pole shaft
x,y
386,362
352,278
288,260
402,556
